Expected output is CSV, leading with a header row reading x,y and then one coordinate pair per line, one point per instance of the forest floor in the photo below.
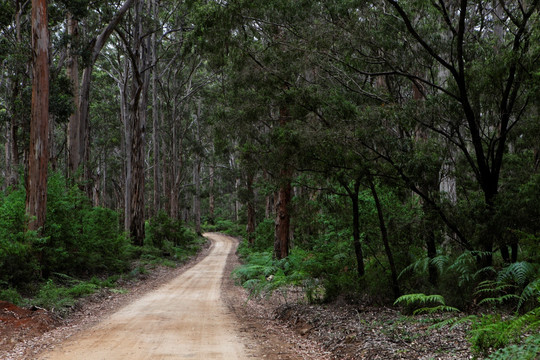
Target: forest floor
x,y
268,328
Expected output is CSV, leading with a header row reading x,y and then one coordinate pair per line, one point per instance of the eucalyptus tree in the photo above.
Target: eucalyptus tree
x,y
36,188
92,44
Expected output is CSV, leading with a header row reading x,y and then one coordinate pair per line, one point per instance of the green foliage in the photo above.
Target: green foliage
x,y
491,332
322,273
263,275
225,226
53,297
264,235
527,350
422,303
18,263
77,238
168,242
162,229
517,284
458,275
12,296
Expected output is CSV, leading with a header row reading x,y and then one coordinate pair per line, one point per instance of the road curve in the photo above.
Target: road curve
x,y
183,319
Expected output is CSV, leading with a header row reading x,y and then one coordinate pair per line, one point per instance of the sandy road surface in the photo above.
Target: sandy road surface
x,y
183,319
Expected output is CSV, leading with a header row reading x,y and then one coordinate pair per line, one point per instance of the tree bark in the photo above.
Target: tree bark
x,y
155,117
73,140
250,228
197,195
283,217
353,195
211,197
197,175
139,90
36,189
386,242
283,220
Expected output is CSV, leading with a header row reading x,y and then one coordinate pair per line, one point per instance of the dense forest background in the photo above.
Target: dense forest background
x,y
362,149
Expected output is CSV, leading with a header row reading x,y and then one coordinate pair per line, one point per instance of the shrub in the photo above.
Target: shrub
x,y
103,247
18,263
162,229
12,296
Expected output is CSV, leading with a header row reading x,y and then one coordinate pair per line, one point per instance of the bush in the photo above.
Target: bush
x,y
18,262
103,246
54,297
12,296
80,239
77,239
162,229
225,226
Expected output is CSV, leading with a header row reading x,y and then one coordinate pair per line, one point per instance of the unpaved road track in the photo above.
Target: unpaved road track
x,y
183,319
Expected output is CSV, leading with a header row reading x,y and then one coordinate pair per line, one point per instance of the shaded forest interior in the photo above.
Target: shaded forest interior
x,y
381,151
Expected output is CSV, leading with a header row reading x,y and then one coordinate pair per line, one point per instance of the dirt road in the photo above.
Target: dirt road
x,y
184,319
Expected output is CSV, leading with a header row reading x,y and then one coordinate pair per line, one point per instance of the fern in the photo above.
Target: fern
x,y
529,350
531,291
454,322
435,309
465,266
519,273
417,267
498,300
437,301
510,280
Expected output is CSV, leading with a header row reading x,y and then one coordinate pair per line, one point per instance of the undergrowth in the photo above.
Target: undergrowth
x,y
79,245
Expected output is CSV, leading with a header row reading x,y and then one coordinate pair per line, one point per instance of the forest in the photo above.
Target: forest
x,y
377,150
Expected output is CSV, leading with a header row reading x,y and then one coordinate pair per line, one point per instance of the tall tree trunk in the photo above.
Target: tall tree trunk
x,y
237,204
353,195
386,242
428,185
73,139
165,170
139,91
36,189
128,139
283,219
283,216
211,196
197,174
175,168
155,117
250,228
197,195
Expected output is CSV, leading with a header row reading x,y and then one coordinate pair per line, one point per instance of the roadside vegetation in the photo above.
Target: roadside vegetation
x,y
499,305
81,250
